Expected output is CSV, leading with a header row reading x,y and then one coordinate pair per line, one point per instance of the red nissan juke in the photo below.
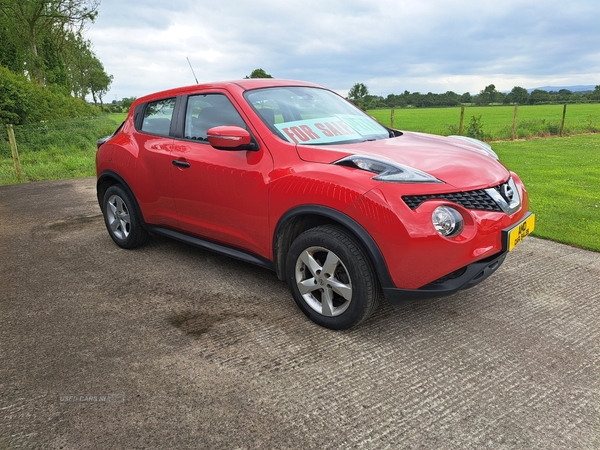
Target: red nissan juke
x,y
290,176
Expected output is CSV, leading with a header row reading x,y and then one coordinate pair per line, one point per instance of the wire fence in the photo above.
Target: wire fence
x,y
491,123
66,134
51,150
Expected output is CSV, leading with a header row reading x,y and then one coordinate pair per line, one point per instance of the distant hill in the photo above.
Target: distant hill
x,y
578,88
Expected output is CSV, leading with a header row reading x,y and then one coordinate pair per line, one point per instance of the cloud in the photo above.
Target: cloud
x,y
389,45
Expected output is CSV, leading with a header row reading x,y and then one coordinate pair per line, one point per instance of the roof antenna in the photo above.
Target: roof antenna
x,y
193,73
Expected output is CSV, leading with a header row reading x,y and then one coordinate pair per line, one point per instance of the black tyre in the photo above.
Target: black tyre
x,y
122,219
331,278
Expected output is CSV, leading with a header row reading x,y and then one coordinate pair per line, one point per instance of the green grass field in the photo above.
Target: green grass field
x,y
532,121
562,175
118,118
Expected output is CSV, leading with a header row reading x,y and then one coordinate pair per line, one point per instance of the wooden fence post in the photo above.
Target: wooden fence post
x,y
15,153
514,124
462,117
392,114
562,123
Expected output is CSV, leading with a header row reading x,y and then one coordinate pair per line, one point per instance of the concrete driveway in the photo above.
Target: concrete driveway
x,y
172,347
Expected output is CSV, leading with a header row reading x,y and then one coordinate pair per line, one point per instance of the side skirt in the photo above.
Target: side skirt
x,y
213,247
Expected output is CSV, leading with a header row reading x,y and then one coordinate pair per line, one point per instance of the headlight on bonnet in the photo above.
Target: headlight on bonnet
x,y
386,170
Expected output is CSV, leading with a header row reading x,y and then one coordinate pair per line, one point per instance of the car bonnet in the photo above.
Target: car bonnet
x,y
452,161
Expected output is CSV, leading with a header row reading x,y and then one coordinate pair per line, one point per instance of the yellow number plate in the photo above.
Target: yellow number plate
x,y
516,234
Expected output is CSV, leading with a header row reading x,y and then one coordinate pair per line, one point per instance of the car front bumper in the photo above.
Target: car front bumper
x,y
464,278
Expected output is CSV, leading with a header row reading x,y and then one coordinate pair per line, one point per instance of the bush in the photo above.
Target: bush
x,y
23,102
15,97
475,128
538,128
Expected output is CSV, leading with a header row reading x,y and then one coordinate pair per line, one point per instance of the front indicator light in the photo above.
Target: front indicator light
x,y
447,221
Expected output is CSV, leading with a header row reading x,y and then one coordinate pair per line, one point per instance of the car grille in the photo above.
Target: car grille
x,y
478,199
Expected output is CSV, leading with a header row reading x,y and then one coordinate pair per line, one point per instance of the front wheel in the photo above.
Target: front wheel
x,y
331,278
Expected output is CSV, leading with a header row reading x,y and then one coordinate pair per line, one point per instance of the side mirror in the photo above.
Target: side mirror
x,y
230,137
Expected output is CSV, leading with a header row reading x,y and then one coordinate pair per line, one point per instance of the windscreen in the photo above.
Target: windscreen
x,y
313,116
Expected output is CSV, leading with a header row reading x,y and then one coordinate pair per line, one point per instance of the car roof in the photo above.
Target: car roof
x,y
243,85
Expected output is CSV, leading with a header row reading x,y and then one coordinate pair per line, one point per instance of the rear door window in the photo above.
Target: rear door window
x,y
158,117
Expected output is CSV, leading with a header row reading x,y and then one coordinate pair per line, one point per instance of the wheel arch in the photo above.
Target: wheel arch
x,y
109,178
302,218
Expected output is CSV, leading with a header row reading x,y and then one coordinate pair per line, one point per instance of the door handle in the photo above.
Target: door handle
x,y
182,164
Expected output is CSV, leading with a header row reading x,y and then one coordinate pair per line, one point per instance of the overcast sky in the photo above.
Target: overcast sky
x,y
389,45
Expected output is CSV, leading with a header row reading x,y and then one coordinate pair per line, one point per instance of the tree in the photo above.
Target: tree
x,y
373,101
450,98
53,64
11,48
489,95
595,95
80,63
538,96
518,95
258,73
357,93
99,81
33,21
126,102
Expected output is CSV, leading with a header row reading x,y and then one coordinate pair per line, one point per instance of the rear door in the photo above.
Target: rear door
x,y
154,190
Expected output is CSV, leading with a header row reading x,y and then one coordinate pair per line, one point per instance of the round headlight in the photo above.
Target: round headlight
x,y
447,221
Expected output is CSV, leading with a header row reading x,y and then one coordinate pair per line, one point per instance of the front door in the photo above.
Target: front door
x,y
220,195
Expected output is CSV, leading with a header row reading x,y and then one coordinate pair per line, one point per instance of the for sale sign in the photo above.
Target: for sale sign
x,y
329,129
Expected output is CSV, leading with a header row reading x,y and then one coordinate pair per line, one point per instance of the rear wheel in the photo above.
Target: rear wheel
x,y
331,278
122,219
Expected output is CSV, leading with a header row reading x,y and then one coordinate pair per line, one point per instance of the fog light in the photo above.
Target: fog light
x,y
447,221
